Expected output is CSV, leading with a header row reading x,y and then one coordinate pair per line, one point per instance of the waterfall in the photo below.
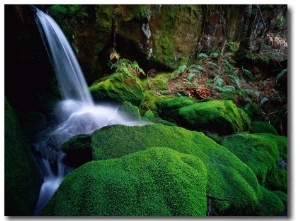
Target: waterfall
x,y
75,114
66,67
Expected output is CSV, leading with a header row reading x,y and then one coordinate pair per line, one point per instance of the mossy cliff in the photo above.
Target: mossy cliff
x,y
23,178
167,35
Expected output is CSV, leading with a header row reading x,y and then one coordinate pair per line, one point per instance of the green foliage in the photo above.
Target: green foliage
x,y
181,69
23,178
214,55
228,177
234,46
129,68
154,182
283,72
202,56
142,11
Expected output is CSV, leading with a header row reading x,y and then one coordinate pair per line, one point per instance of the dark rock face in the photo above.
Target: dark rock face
x,y
23,178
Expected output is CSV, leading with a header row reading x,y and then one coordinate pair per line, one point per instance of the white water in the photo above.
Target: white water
x,y
75,114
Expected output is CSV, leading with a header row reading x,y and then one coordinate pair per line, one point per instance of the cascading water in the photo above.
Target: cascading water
x,y
75,114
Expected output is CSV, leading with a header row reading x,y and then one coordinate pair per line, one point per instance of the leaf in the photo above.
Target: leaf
x,y
214,55
264,100
181,69
202,56
218,81
190,76
281,73
236,80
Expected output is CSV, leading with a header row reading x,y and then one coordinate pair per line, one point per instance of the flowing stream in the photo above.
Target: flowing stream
x,y
75,114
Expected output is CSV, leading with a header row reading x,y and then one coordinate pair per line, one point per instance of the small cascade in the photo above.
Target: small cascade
x,y
75,114
146,30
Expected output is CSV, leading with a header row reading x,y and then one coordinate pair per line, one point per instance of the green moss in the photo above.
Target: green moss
x,y
154,182
149,102
219,116
118,87
168,107
228,177
282,144
259,152
159,82
150,117
262,127
78,150
282,196
131,112
264,60
23,178
270,204
277,179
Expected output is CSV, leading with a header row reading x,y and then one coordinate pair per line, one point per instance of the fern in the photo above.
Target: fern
x,y
218,81
202,56
226,88
191,76
236,80
214,55
181,69
281,73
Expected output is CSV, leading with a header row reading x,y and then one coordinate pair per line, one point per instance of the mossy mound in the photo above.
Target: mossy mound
x,y
270,204
154,182
118,87
228,177
149,116
258,151
219,116
32,122
216,116
168,107
131,112
23,178
78,150
262,127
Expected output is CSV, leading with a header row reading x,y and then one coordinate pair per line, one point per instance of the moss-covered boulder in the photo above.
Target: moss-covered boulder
x,y
228,177
270,204
154,182
78,150
149,116
118,87
168,107
220,116
261,153
32,122
217,116
129,111
262,127
23,179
